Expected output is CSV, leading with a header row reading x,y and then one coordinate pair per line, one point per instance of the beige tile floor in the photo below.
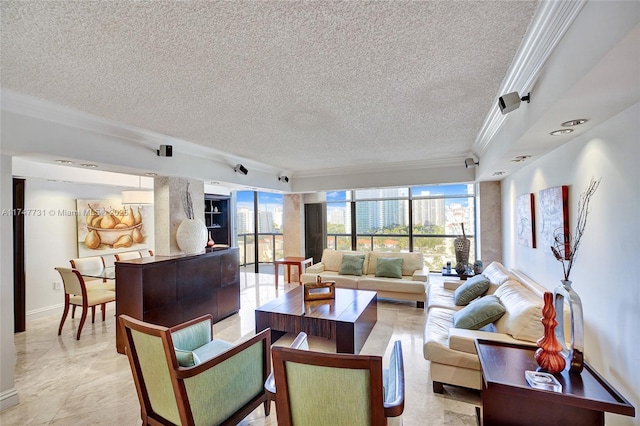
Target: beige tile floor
x,y
62,381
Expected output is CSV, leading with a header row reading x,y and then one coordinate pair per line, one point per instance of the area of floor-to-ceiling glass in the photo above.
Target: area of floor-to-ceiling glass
x,y
259,222
421,218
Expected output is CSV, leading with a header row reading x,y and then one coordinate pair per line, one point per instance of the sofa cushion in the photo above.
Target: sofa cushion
x,y
471,289
342,281
436,341
332,259
479,313
411,261
523,312
389,267
497,275
351,264
369,282
440,296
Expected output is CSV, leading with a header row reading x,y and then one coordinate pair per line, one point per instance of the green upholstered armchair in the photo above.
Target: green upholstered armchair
x,y
185,377
313,388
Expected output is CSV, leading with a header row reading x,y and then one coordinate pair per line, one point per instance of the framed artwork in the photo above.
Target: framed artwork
x,y
103,229
525,221
554,212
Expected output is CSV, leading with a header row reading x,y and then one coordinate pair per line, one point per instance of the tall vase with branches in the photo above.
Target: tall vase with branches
x,y
462,246
565,250
191,235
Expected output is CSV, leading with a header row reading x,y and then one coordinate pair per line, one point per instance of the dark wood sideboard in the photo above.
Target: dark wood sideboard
x,y
169,290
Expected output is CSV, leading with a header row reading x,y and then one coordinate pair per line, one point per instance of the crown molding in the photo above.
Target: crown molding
x,y
384,167
550,23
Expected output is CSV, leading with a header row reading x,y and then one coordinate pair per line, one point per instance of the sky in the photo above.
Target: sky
x,y
269,201
266,200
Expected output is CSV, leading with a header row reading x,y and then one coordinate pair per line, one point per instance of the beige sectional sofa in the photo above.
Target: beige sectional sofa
x,y
452,350
412,285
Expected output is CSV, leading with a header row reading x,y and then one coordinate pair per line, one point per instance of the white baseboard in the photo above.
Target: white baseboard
x,y
45,312
8,398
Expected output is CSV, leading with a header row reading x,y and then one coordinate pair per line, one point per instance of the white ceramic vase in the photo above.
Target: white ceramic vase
x,y
192,236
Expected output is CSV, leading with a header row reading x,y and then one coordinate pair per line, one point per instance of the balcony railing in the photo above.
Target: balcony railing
x,y
270,247
436,249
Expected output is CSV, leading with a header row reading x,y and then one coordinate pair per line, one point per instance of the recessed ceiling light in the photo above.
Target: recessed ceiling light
x,y
498,173
64,162
89,166
561,132
576,122
520,158
150,174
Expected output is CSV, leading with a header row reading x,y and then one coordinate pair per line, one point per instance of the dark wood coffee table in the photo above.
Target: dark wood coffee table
x,y
507,398
347,319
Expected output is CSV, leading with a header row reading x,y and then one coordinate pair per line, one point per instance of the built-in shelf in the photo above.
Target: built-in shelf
x,y
216,218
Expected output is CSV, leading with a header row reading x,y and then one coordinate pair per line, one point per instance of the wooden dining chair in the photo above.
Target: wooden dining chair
x,y
128,255
76,294
146,253
91,264
108,260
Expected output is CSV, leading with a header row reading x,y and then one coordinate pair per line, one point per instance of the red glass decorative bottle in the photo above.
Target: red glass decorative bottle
x,y
548,356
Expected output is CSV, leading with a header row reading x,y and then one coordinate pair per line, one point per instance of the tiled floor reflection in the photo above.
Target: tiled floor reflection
x,y
62,381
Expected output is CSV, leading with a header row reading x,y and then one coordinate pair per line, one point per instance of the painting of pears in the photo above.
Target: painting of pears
x,y
109,228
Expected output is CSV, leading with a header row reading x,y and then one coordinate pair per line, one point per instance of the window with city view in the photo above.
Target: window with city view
x,y
266,209
425,218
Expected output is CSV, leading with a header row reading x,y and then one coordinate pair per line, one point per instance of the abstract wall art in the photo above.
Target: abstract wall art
x,y
554,213
525,221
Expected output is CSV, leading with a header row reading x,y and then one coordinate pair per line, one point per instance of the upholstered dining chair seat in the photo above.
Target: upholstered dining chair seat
x,y
98,285
95,297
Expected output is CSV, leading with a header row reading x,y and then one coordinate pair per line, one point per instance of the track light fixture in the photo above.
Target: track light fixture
x,y
470,162
511,101
165,151
283,179
239,168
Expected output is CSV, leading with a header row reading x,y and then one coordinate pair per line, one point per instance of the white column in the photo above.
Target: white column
x,y
293,228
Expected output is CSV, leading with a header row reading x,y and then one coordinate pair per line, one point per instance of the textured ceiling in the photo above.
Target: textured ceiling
x,y
296,85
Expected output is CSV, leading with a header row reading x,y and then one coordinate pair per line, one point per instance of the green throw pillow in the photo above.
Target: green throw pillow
x,y
351,264
476,315
186,358
471,289
389,267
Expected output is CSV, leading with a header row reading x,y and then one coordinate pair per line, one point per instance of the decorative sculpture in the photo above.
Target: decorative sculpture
x,y
549,356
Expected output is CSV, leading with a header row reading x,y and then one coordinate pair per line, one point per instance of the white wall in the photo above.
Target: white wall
x,y
8,392
51,237
605,272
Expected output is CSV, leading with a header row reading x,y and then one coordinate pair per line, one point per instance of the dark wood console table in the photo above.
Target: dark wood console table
x,y
169,290
507,398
